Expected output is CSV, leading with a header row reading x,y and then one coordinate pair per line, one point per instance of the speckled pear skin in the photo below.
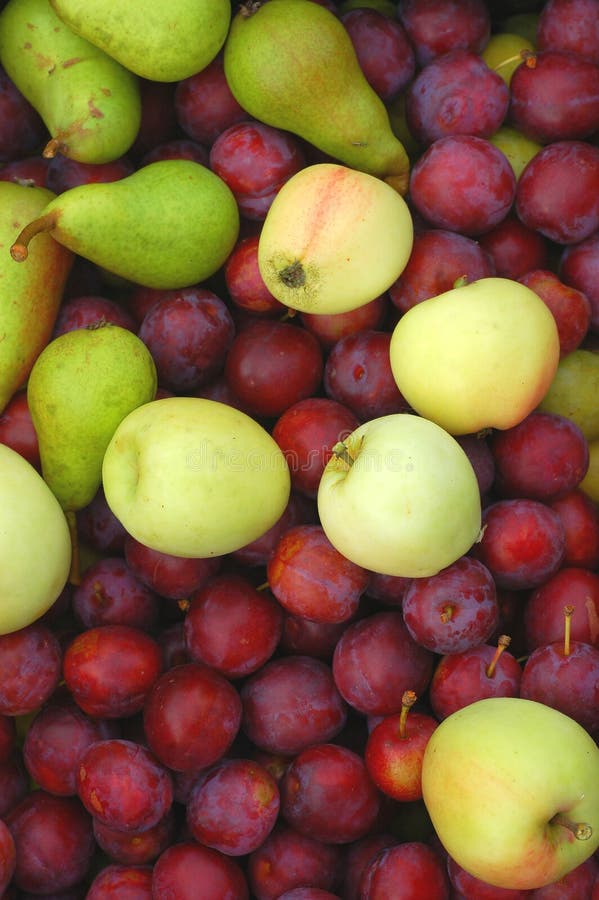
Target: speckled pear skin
x,y
81,387
292,65
169,225
29,295
164,41
89,103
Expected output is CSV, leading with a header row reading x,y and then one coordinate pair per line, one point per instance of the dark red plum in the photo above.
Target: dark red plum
x,y
22,131
544,608
289,859
308,893
522,543
376,660
310,578
580,517
569,25
476,447
14,782
188,333
303,637
110,669
306,433
123,785
65,173
543,457
435,27
579,267
384,51
453,610
184,866
357,856
86,311
204,105
389,590
408,870
245,285
178,148
231,626
31,171
463,183
17,430
558,192
463,678
456,93
327,794
438,259
110,594
191,717
233,807
54,841
8,857
554,96
271,365
329,329
468,887
8,736
255,160
514,248
125,882
570,307
300,510
136,848
158,119
30,662
357,374
291,703
169,576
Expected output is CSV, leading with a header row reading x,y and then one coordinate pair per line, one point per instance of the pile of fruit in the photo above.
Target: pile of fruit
x,y
299,450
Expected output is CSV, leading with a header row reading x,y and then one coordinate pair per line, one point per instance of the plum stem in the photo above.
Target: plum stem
x,y
523,56
407,702
19,251
447,613
582,831
503,642
568,613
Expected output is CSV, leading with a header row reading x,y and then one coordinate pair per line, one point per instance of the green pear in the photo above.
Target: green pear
x,y
158,41
169,225
35,545
89,103
292,65
29,295
573,391
81,387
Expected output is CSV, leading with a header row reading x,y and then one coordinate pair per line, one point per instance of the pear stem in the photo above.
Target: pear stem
x,y
568,613
53,147
75,572
407,702
19,251
582,831
503,642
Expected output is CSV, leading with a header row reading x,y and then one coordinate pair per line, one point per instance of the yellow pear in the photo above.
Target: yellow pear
x,y
334,239
481,355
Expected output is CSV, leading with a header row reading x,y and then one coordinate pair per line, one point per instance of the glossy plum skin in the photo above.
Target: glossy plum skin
x,y
109,594
329,329
558,192
245,285
191,717
291,703
185,865
169,576
376,660
233,807
580,517
407,871
456,93
438,258
435,27
453,610
231,626
17,431
514,248
544,608
204,105
462,183
327,794
461,678
569,25
310,578
22,130
568,682
384,52
394,760
126,882
570,307
289,859
86,310
579,267
123,785
30,660
543,457
136,848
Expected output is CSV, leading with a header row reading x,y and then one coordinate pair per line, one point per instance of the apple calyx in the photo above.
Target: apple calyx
x,y
582,831
293,275
19,251
408,700
568,613
503,642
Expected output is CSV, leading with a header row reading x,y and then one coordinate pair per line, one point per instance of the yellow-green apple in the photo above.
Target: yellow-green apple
x,y
512,790
573,391
400,497
35,543
481,355
194,477
333,239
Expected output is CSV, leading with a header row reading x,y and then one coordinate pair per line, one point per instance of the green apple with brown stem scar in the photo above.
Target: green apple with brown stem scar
x,y
512,790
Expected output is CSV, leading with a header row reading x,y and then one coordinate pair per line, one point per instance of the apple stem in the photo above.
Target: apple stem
x,y
75,570
582,831
19,251
503,642
447,613
341,451
568,613
407,702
